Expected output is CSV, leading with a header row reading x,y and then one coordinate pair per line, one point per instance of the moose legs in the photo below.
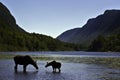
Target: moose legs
x,y
24,67
15,67
59,70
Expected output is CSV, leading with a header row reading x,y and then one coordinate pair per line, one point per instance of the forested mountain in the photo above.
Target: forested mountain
x,y
105,24
99,34
7,21
14,38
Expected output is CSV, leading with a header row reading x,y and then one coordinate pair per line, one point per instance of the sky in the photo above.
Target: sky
x,y
53,17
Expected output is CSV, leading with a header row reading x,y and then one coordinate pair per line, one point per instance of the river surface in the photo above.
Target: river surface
x,y
69,53
69,70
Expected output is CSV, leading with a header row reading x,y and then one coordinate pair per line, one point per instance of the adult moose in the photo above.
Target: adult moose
x,y
24,60
55,65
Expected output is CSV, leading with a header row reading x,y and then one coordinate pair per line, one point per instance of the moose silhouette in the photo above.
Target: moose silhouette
x,y
24,60
55,65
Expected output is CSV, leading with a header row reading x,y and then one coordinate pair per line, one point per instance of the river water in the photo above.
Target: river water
x,y
69,70
69,53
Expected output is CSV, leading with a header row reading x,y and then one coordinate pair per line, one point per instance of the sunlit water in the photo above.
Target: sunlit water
x,y
69,53
69,71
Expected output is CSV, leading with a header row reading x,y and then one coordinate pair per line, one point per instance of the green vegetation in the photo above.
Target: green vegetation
x,y
14,38
6,56
16,41
110,43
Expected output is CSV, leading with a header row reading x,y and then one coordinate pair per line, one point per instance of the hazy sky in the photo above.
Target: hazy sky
x,y
52,17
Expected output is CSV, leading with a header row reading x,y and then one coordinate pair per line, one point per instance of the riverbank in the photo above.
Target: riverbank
x,y
113,62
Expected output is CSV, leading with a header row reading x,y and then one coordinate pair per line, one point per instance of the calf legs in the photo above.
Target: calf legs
x,y
54,69
24,68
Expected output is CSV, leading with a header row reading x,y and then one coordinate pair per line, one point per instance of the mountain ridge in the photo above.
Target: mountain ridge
x,y
105,24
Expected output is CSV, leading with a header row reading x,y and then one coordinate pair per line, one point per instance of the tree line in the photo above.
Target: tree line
x,y
109,43
12,40
17,41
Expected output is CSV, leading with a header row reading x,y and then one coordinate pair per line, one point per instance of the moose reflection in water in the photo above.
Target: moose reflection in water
x,y
24,60
55,65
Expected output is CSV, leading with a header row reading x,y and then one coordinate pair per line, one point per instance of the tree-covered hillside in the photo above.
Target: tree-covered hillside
x,y
109,43
14,38
14,41
98,34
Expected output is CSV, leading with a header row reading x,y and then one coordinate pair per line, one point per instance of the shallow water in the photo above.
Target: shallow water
x,y
69,53
69,71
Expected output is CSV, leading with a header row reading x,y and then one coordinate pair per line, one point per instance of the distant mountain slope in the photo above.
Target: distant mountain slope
x,y
14,38
105,24
7,21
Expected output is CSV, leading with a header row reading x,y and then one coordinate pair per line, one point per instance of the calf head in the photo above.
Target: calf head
x,y
47,65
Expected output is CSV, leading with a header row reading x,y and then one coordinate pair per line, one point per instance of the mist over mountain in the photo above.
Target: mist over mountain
x,y
105,24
